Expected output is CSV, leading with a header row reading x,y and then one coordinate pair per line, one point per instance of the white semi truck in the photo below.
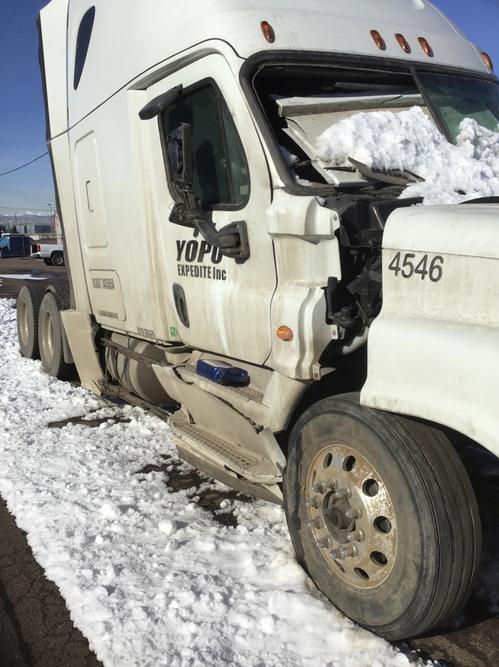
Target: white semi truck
x,y
314,339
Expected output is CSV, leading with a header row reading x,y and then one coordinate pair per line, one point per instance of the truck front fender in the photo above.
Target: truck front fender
x,y
433,352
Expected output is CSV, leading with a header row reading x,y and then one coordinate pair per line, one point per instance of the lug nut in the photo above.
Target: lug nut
x,y
323,487
350,550
352,513
323,543
341,494
356,536
347,551
315,523
312,503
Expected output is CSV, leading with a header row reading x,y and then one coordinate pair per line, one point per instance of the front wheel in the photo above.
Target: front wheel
x,y
382,515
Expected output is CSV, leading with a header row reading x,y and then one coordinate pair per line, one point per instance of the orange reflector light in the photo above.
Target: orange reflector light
x,y
423,42
488,61
378,40
403,43
268,31
285,333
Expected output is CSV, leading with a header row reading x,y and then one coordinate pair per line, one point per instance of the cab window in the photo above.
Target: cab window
x,y
220,171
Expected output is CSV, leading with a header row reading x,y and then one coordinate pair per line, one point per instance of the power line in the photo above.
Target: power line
x,y
22,166
22,195
24,191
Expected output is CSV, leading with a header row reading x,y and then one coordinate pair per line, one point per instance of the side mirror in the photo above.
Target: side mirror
x,y
231,239
180,156
180,160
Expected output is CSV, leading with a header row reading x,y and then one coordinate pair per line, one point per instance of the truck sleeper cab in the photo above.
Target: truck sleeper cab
x,y
201,225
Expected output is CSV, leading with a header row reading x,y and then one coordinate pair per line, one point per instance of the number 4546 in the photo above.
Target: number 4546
x,y
411,264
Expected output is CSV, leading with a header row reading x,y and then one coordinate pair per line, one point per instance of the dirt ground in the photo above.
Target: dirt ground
x,y
36,630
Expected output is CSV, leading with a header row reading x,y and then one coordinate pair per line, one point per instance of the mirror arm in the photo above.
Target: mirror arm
x,y
232,239
158,104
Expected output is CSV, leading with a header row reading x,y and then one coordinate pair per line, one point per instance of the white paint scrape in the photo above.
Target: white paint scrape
x,y
409,140
148,576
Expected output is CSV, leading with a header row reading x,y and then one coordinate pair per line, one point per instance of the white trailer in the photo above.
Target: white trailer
x,y
271,306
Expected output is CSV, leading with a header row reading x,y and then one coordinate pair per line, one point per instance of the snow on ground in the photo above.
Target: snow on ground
x,y
409,140
148,576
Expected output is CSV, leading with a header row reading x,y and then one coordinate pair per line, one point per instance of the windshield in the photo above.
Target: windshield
x,y
456,97
303,101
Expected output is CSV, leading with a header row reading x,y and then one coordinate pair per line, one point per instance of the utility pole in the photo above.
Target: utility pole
x,y
53,231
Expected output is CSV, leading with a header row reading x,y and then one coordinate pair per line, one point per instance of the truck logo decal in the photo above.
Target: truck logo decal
x,y
415,264
198,259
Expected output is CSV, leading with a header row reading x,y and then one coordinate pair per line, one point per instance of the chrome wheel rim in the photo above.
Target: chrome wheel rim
x,y
23,323
48,337
351,516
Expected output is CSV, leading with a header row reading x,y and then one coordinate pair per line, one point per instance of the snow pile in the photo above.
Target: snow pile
x,y
410,141
149,577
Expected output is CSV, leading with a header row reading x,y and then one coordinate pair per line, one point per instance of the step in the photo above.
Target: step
x,y
206,445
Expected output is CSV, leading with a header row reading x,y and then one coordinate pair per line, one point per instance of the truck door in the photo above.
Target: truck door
x,y
219,305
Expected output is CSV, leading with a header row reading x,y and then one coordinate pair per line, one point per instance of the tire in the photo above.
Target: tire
x,y
29,299
57,259
47,261
391,534
50,335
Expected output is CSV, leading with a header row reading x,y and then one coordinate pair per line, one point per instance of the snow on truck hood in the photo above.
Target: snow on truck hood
x,y
409,141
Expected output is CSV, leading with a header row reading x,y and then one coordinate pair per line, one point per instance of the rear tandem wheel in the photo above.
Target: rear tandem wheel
x,y
29,299
50,336
382,515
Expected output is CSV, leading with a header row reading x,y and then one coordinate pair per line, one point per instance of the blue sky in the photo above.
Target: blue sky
x,y
22,123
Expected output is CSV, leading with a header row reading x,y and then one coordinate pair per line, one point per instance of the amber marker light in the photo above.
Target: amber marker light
x,y
268,31
285,333
378,40
403,43
425,45
487,61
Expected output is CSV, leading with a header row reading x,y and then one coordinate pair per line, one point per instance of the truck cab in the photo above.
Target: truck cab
x,y
204,229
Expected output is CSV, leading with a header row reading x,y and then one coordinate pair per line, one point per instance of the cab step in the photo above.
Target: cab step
x,y
194,440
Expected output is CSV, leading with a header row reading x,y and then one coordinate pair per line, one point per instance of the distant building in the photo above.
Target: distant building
x,y
31,224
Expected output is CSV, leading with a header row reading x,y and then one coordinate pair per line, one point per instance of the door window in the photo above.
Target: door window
x,y
220,172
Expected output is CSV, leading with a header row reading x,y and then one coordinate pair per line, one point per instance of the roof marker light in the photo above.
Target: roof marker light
x,y
425,45
285,333
378,40
487,61
268,31
403,43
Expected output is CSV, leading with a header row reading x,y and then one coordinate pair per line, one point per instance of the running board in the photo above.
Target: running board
x,y
193,440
